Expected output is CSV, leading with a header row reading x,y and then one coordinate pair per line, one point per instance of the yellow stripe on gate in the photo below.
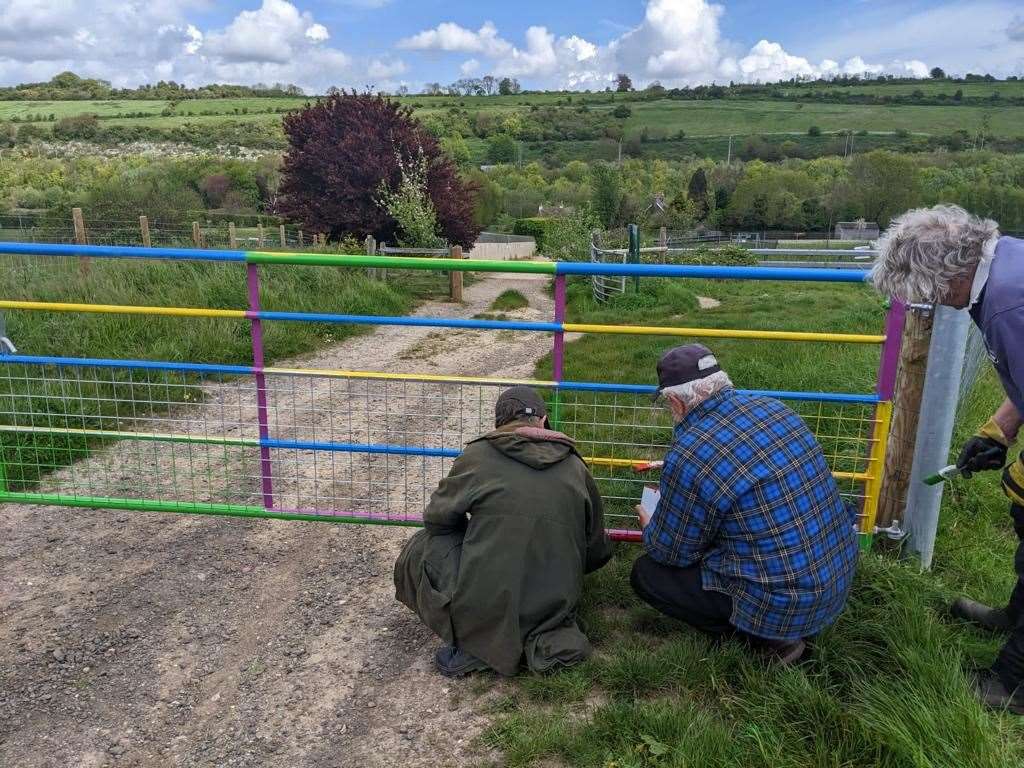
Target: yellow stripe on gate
x,y
121,309
876,462
725,333
421,377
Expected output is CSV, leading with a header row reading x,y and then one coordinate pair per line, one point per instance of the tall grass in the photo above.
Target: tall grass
x,y
887,685
35,390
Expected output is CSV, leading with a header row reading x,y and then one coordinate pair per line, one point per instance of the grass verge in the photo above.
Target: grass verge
x,y
887,684
509,300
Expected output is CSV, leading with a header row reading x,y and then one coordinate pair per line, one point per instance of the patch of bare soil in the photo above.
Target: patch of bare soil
x,y
138,639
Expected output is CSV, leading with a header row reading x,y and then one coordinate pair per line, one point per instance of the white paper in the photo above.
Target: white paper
x,y
649,499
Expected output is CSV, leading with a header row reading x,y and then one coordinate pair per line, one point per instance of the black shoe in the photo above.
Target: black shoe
x,y
993,694
992,619
783,652
454,662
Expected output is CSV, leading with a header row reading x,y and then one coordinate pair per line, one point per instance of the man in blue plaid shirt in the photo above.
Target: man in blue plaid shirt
x,y
750,535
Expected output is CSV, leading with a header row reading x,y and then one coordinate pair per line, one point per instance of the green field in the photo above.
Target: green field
x,y
719,118
1005,89
27,111
668,116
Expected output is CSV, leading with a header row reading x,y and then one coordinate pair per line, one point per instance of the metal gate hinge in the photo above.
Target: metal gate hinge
x,y
893,532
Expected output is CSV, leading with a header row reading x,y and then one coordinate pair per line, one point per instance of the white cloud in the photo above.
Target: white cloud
x,y
767,62
543,56
317,33
961,36
679,42
273,33
385,70
130,42
449,36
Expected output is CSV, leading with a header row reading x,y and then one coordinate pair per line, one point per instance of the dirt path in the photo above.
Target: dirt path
x,y
129,638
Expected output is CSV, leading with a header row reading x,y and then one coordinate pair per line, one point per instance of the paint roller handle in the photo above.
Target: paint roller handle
x,y
944,474
647,466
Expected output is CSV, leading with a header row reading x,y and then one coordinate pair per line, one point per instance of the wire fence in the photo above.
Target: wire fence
x,y
607,287
204,233
340,446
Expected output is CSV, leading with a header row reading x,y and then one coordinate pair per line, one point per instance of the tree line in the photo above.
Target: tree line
x,y
67,86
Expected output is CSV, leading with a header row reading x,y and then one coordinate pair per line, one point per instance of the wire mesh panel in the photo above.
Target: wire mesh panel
x,y
623,434
369,448
129,434
375,447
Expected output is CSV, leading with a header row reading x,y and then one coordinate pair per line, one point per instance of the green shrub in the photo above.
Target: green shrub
x,y
502,148
533,227
724,256
81,127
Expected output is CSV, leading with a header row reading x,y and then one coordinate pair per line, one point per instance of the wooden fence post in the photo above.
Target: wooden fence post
x,y
259,236
663,244
232,240
284,239
323,239
80,238
197,235
301,241
371,250
899,456
455,276
144,226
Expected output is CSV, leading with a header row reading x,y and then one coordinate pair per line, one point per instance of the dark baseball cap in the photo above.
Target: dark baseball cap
x,y
518,402
685,363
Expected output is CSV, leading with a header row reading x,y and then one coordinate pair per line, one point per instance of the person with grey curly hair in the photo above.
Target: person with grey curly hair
x,y
944,255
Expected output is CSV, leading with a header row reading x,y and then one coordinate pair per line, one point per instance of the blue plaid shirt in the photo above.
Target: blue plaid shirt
x,y
746,493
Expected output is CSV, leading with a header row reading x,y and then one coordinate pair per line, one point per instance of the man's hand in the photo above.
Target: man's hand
x,y
643,515
986,450
981,453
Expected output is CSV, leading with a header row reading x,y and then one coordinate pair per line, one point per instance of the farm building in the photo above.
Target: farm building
x,y
857,230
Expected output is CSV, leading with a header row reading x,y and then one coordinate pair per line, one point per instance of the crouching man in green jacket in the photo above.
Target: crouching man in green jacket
x,y
498,570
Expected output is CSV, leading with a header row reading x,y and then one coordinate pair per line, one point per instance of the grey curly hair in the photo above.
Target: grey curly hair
x,y
695,392
926,249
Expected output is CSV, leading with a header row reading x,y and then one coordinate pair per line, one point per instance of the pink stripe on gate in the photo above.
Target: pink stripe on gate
x,y
266,470
890,361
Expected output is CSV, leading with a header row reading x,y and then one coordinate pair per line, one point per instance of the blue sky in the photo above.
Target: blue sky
x,y
574,43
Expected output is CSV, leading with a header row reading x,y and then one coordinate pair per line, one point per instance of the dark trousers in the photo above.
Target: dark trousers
x,y
1010,661
680,593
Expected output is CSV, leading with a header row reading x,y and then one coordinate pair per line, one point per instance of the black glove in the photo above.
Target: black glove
x,y
981,453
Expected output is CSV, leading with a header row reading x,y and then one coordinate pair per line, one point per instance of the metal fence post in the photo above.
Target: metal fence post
x,y
935,428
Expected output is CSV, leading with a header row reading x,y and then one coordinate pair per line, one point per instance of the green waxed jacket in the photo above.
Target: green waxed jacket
x,y
508,535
